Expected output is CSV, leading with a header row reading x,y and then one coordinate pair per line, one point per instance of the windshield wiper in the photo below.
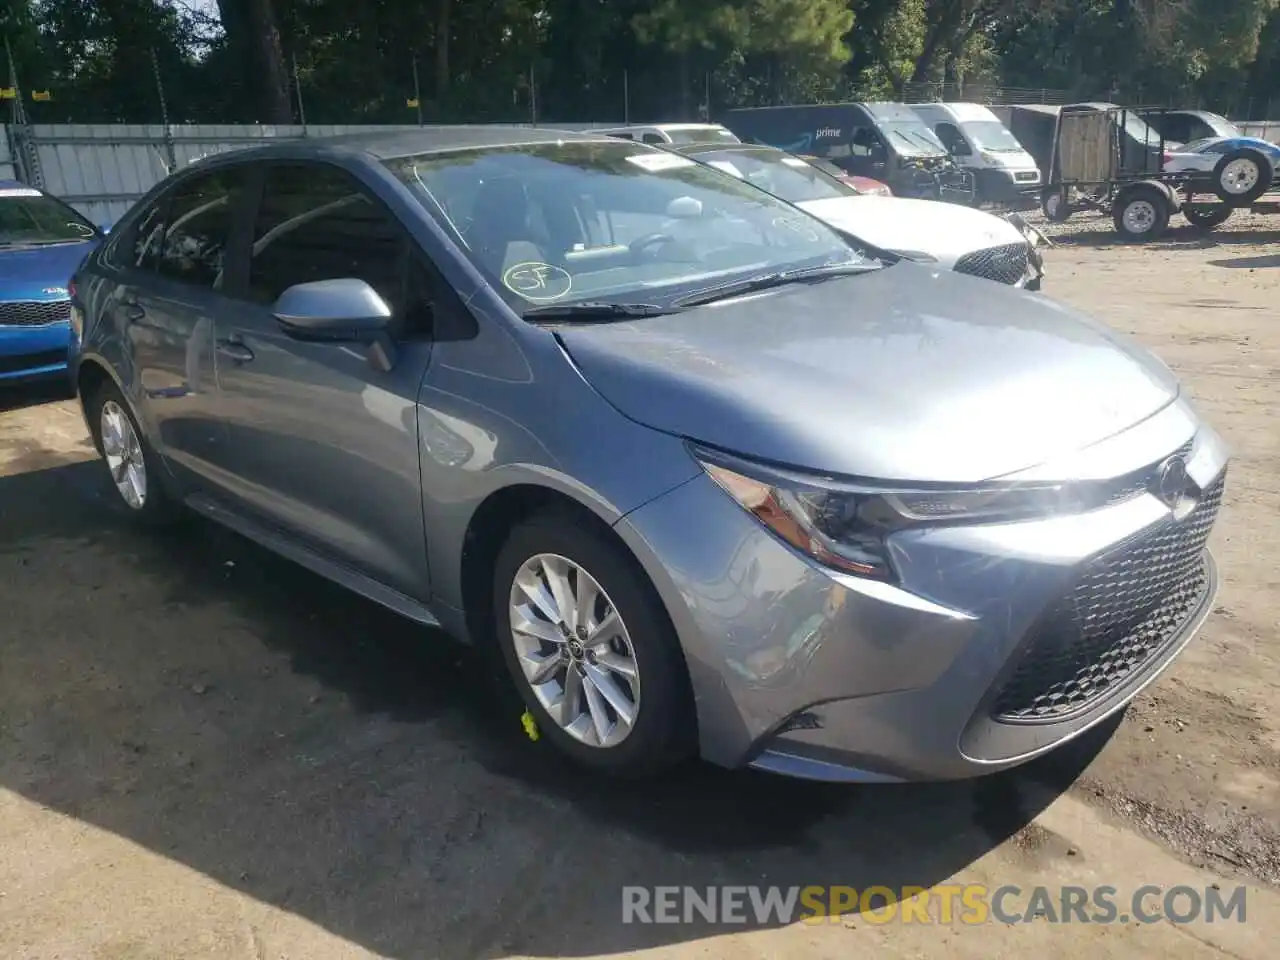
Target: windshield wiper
x,y
767,280
594,310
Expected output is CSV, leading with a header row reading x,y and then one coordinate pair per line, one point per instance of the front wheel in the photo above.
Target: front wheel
x,y
1141,214
1055,205
590,648
1241,177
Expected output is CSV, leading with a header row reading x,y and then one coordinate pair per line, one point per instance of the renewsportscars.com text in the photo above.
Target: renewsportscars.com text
x,y
945,903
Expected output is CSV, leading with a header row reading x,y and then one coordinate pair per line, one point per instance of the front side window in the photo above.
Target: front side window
x,y
585,220
192,249
778,173
316,223
29,218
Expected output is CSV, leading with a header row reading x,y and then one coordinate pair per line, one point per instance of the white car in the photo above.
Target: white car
x,y
1241,168
954,237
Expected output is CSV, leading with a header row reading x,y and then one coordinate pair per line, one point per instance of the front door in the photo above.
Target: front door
x,y
170,291
321,442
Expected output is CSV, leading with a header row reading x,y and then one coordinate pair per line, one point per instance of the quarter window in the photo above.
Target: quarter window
x,y
194,245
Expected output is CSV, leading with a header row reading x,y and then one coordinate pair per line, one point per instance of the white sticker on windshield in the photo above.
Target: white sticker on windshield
x,y
657,161
794,162
726,166
20,192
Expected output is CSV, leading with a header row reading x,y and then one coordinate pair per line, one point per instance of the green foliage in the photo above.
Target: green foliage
x,y
504,60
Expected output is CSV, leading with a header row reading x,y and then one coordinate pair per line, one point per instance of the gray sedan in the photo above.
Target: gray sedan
x,y
706,477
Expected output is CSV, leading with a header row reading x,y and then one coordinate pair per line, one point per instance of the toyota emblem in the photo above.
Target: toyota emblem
x,y
1175,488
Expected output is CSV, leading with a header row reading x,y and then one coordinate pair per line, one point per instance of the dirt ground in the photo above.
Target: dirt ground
x,y
208,753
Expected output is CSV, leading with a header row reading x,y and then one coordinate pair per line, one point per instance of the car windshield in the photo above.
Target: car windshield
x,y
778,173
31,218
913,139
992,135
576,221
700,135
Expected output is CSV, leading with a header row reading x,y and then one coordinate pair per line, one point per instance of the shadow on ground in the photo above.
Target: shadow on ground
x,y
198,696
1248,263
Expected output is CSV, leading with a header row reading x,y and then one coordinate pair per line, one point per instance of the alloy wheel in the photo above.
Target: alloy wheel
x,y
123,453
574,650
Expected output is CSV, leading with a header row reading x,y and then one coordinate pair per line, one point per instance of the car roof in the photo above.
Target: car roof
x,y
16,185
706,146
392,144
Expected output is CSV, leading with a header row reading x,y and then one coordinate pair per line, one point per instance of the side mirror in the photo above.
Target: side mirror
x,y
343,309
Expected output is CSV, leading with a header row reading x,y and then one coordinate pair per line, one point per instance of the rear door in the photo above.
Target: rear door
x,y
321,443
168,297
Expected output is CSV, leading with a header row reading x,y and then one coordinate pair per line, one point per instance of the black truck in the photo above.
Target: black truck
x,y
885,141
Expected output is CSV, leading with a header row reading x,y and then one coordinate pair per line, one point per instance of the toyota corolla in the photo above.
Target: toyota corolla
x,y
707,478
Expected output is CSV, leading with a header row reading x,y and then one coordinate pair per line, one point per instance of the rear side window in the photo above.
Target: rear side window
x,y
194,246
316,223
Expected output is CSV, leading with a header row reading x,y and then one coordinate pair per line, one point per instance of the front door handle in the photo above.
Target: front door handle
x,y
235,351
133,313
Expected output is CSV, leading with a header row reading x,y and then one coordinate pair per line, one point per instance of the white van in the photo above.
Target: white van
x,y
664,134
1003,170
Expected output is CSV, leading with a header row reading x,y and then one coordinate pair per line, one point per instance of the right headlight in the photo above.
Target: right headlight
x,y
845,526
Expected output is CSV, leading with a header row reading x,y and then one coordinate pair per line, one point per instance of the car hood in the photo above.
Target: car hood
x,y
903,373
40,273
945,231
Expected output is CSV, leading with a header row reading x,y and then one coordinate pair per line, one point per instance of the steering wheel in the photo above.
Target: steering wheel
x,y
641,244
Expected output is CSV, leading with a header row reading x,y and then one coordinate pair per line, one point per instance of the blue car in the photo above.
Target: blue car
x,y
42,241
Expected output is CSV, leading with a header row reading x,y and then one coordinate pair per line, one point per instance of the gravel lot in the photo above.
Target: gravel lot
x,y
206,752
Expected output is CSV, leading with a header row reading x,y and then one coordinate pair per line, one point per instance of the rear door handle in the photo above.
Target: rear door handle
x,y
235,350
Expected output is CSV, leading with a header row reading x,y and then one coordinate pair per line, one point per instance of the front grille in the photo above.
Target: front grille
x,y
1003,264
1124,608
34,313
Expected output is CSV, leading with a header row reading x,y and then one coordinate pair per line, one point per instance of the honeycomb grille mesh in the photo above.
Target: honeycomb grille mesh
x,y
33,313
1122,610
1003,264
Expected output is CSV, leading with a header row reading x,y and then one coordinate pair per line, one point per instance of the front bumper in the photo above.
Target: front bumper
x,y
1004,186
955,671
30,353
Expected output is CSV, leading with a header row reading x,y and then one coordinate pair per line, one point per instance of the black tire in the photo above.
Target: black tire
x,y
1142,204
158,506
664,731
1055,206
1207,216
1262,183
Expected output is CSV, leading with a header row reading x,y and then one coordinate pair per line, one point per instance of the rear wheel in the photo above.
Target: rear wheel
x,y
590,648
1141,214
132,466
1206,216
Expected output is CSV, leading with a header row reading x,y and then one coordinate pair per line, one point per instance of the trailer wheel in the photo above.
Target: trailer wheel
x,y
1242,176
1055,205
1141,213
1206,216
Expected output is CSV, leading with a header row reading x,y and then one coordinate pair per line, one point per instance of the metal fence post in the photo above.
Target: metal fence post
x,y
170,152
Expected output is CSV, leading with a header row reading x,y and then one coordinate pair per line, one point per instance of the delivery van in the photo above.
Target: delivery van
x,y
885,141
1004,172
